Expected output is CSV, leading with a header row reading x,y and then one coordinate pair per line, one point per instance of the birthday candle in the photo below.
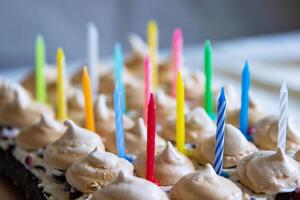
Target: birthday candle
x,y
119,65
151,131
208,101
152,33
283,106
88,101
92,54
120,141
245,100
221,120
147,79
61,97
176,57
180,122
40,82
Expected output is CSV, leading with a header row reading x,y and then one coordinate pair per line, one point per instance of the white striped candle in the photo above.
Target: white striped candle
x,y
283,107
221,120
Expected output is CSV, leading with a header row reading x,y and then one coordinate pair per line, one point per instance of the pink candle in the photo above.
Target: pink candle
x,y
147,79
151,129
176,57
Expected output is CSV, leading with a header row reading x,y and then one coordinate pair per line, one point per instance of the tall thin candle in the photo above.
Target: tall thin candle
x,y
176,57
61,94
40,82
283,108
208,101
120,140
119,65
92,54
180,121
88,100
151,131
245,100
221,120
147,80
152,34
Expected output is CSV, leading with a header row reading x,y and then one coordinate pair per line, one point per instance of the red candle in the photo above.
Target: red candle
x,y
151,129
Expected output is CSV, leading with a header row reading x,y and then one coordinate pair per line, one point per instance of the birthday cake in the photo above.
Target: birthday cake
x,y
153,131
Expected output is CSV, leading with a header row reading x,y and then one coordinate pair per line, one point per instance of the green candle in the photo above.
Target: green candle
x,y
208,101
40,82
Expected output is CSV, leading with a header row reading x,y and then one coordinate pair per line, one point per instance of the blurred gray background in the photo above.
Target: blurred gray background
x,y
63,23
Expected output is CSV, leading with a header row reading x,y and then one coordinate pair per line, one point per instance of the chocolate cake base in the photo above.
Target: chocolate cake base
x,y
15,172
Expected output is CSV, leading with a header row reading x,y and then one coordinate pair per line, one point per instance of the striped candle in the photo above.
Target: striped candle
x,y
283,106
120,140
176,57
221,119
147,79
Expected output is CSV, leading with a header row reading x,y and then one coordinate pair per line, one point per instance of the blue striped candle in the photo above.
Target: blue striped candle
x,y
119,65
120,140
221,120
245,100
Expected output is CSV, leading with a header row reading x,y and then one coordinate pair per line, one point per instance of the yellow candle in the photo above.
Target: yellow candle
x,y
61,94
88,100
180,122
152,34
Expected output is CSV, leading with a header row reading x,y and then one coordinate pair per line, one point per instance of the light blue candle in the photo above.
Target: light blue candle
x,y
119,65
245,100
221,120
120,140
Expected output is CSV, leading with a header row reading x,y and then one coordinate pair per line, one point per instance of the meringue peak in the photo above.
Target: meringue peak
x,y
170,154
101,106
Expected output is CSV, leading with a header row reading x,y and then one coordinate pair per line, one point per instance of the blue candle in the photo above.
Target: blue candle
x,y
119,65
245,100
120,140
221,120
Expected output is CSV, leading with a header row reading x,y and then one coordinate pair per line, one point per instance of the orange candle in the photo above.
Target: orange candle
x,y
88,100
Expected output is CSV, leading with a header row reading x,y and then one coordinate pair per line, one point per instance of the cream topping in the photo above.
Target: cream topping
x,y
269,172
165,106
233,99
15,113
194,85
256,113
39,135
51,81
198,125
134,94
128,187
236,147
74,144
266,133
135,139
105,119
8,91
170,165
96,170
76,106
205,184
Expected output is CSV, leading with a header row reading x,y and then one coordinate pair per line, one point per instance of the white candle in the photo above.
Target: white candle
x,y
92,54
283,106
